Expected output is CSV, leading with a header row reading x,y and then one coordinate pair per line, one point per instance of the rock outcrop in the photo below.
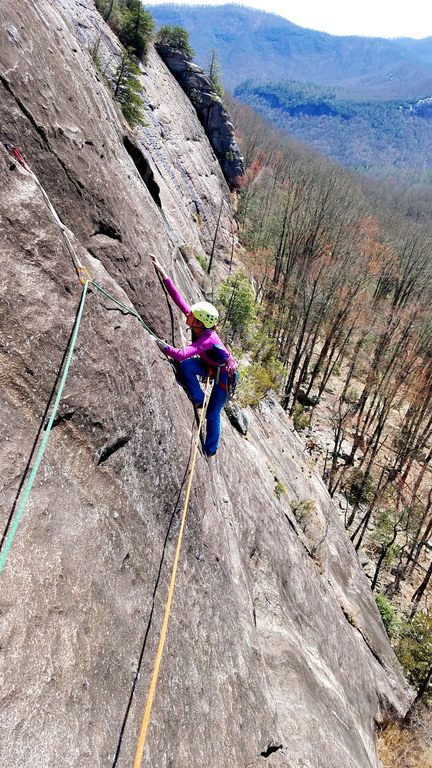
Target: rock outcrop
x,y
210,110
422,108
275,651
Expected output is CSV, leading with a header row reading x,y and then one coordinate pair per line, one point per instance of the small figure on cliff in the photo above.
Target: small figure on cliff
x,y
205,355
312,445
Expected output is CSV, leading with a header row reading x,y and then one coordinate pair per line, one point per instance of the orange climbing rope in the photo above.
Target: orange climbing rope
x,y
152,689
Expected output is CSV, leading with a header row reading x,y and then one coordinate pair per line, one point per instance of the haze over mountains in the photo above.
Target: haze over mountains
x,y
377,114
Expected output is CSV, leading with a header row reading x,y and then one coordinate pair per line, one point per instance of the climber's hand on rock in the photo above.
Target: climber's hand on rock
x,y
161,344
158,267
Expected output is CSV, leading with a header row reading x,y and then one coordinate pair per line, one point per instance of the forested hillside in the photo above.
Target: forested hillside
x,y
422,48
265,47
380,137
344,284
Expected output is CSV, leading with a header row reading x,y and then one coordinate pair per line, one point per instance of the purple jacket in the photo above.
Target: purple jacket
x,y
207,345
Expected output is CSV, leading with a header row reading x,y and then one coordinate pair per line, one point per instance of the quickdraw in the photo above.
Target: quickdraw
x,y
17,154
86,277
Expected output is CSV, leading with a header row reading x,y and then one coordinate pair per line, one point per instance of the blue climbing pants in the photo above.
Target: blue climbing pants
x,y
190,370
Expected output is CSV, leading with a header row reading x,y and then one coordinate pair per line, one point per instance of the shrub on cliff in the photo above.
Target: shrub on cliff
x,y
414,651
265,374
388,613
127,87
176,37
256,382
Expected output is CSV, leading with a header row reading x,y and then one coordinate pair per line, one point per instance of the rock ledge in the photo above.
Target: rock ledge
x,y
210,110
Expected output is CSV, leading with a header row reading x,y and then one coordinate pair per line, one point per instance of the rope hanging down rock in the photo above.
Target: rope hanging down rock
x,y
153,683
123,306
7,541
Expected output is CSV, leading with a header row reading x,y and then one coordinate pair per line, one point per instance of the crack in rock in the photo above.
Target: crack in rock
x,y
351,620
108,230
144,169
270,749
40,130
63,417
108,450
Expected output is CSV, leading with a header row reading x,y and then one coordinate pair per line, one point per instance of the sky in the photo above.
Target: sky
x,y
373,18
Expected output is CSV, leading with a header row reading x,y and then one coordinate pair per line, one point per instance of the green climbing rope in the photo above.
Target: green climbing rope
x,y
130,311
17,517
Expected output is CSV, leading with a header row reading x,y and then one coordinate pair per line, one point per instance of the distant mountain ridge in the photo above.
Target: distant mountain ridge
x,y
261,46
364,102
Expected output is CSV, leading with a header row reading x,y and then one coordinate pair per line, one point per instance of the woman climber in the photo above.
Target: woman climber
x,y
213,358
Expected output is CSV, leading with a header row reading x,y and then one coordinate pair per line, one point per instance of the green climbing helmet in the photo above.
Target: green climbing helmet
x,y
205,312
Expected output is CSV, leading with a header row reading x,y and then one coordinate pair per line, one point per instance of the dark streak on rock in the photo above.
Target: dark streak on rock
x,y
62,417
110,449
270,749
144,169
108,230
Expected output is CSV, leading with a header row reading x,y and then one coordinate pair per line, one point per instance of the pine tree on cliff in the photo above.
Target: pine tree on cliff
x,y
132,23
127,87
137,27
177,38
214,73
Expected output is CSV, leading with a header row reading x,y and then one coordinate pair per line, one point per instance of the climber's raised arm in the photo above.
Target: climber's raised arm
x,y
172,290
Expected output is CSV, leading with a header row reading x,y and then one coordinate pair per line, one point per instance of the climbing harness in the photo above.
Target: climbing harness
x,y
233,377
152,689
231,369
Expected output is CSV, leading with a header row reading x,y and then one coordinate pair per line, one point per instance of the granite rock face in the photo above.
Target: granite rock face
x,y
210,110
275,654
237,417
